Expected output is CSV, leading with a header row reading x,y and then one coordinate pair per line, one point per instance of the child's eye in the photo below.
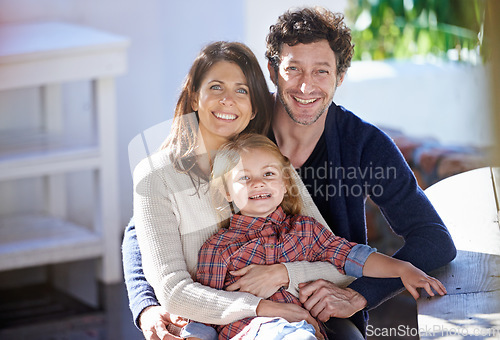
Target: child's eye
x,y
243,178
269,173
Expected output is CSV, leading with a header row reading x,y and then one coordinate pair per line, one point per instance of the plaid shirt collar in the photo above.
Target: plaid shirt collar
x,y
276,217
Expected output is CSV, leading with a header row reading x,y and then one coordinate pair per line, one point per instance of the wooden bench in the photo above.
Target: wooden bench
x,y
469,205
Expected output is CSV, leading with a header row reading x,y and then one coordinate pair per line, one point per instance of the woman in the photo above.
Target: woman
x,y
173,214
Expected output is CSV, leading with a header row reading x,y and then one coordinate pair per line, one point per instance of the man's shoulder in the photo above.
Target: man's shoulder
x,y
350,128
346,121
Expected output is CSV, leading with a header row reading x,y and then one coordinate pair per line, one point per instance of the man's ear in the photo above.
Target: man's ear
x,y
341,79
272,72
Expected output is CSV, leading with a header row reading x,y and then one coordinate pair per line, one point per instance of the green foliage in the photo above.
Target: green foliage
x,y
401,29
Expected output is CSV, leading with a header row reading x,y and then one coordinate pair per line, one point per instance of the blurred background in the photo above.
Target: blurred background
x,y
421,71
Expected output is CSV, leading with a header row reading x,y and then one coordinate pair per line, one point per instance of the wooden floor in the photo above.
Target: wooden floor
x,y
81,323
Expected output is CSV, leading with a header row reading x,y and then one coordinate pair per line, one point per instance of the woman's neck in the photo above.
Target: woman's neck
x,y
206,149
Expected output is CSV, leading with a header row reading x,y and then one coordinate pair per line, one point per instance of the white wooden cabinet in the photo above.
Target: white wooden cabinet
x,y
45,55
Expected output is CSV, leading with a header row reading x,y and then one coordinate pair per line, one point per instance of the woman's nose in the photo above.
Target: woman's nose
x,y
226,99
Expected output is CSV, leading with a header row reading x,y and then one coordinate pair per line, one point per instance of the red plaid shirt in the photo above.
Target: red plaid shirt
x,y
257,240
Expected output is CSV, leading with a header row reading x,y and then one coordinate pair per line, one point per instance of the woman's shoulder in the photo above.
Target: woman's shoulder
x,y
157,168
156,162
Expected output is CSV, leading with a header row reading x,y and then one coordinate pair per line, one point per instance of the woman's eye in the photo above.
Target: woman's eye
x,y
215,87
243,91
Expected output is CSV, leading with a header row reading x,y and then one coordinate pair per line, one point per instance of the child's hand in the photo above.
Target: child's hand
x,y
414,278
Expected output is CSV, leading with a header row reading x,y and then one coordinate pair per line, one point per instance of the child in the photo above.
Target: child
x,y
267,228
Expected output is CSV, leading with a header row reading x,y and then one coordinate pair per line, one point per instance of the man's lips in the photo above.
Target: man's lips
x,y
225,116
260,196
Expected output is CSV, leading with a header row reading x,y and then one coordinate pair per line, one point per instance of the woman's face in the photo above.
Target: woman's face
x,y
223,103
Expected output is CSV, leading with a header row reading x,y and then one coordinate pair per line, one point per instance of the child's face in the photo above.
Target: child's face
x,y
256,184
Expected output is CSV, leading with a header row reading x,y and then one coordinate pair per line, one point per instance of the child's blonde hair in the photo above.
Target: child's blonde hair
x,y
227,158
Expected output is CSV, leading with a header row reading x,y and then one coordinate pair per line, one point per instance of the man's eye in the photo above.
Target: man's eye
x,y
323,71
291,68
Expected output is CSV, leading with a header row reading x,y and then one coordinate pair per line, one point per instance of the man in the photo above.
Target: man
x,y
341,160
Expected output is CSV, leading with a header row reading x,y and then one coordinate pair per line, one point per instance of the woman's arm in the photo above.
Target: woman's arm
x,y
159,225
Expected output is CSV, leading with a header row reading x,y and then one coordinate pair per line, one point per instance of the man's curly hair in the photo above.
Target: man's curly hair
x,y
308,25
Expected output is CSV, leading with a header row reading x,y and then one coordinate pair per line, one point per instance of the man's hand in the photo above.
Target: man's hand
x,y
325,300
260,280
155,320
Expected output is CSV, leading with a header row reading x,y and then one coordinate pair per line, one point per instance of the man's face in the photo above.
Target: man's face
x,y
306,80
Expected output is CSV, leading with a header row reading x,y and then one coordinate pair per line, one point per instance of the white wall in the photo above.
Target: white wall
x,y
449,102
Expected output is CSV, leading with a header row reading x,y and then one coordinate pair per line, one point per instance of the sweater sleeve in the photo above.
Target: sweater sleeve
x,y
428,244
304,271
157,226
140,293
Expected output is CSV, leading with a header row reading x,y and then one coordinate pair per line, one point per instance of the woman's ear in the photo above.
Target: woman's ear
x,y
253,115
194,102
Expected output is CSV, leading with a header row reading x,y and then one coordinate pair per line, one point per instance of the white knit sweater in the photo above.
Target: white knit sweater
x,y
172,221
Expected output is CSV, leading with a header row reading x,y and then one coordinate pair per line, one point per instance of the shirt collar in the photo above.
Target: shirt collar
x,y
276,217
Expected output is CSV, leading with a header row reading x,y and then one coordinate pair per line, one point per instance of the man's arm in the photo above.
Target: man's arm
x,y
140,293
428,244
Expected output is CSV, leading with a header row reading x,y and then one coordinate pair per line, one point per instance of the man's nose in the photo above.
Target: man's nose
x,y
306,84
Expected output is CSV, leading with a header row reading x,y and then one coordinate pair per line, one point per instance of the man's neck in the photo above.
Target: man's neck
x,y
294,140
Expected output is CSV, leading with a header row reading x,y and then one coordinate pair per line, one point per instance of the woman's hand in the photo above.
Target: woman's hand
x,y
288,311
155,321
414,278
260,280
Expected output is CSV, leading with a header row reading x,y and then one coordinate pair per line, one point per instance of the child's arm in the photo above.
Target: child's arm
x,y
379,265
